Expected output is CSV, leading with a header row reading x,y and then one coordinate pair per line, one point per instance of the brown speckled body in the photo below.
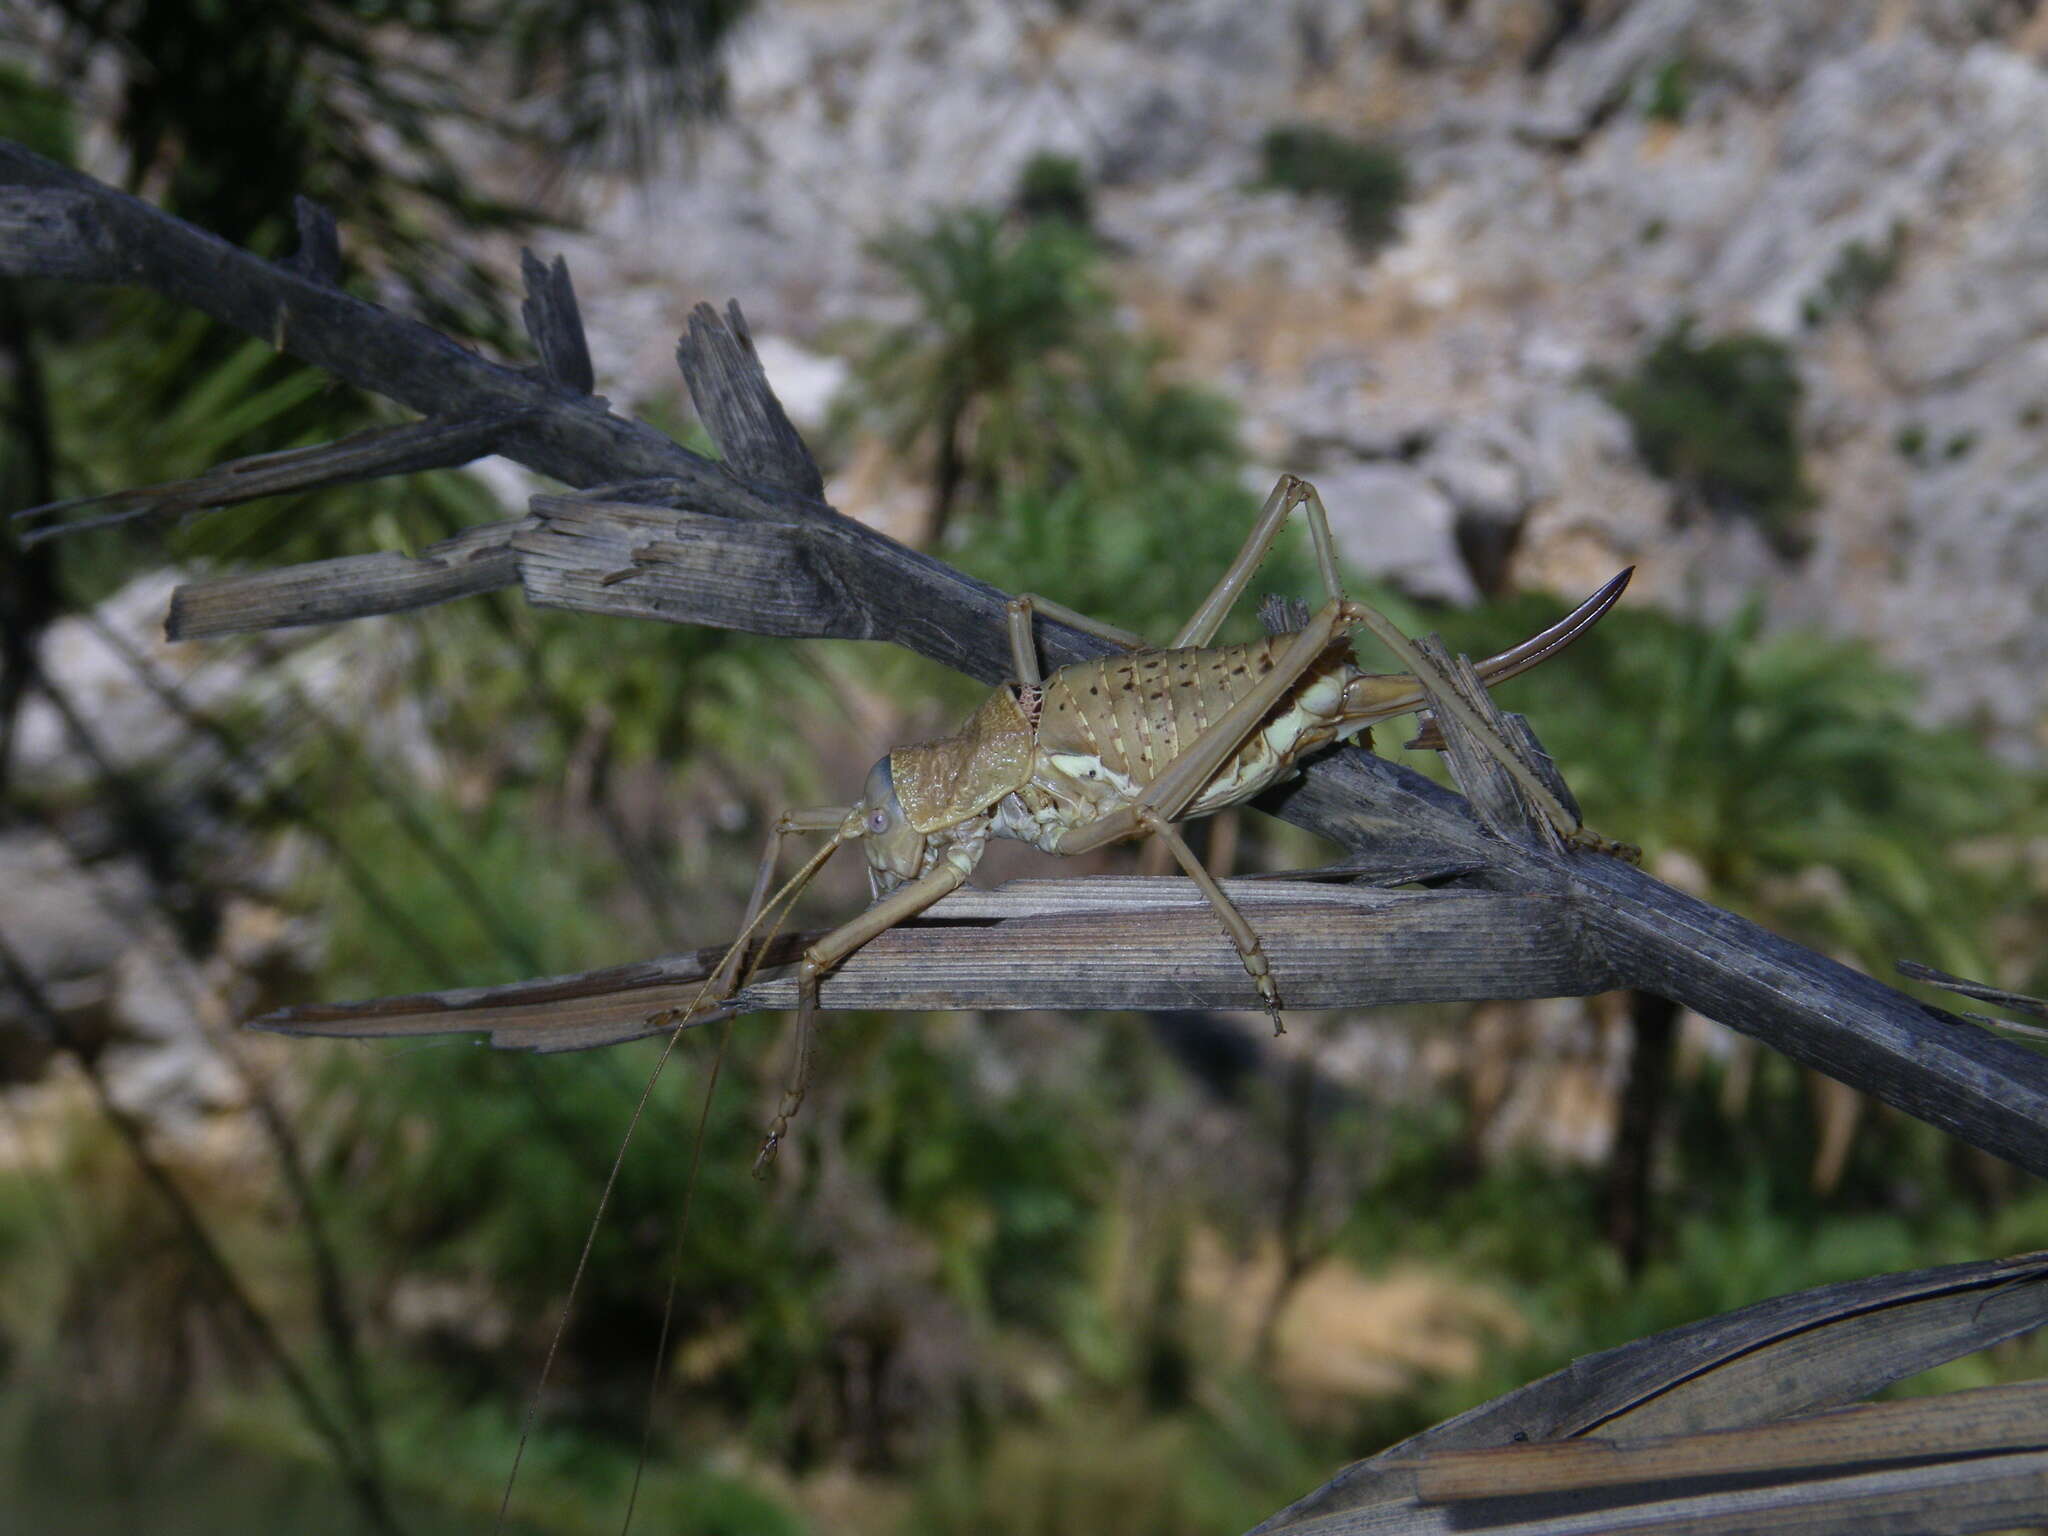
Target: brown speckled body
x,y
1107,728
1067,764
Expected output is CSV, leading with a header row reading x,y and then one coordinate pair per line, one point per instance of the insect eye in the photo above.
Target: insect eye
x,y
878,821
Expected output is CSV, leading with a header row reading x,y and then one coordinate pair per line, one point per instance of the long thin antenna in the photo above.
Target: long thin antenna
x,y
790,891
675,1274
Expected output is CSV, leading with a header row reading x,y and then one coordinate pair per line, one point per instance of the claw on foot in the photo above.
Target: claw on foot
x,y
766,1156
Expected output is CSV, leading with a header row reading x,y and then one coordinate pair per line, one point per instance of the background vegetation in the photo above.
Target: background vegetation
x,y
1016,1274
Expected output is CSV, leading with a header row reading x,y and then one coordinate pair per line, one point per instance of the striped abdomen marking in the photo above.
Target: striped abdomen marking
x,y
1137,713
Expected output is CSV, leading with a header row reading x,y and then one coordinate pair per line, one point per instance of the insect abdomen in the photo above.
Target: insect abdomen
x,y
1136,713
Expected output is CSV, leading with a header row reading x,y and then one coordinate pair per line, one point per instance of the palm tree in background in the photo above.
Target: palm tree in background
x,y
1783,777
996,308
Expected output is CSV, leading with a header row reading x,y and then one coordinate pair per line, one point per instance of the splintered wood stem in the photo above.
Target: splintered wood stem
x,y
745,542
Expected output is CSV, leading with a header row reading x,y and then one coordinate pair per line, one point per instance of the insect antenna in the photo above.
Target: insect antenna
x,y
790,890
681,1244
675,1272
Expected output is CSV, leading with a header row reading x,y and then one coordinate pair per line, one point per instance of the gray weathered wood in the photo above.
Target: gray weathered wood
x,y
50,232
546,1013
1982,1089
603,556
2013,1417
1106,942
1983,992
737,406
55,222
1365,948
555,324
1945,1494
437,443
1773,1360
327,591
318,258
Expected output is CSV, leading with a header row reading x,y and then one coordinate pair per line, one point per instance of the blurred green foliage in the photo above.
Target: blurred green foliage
x,y
1860,273
1720,419
1670,94
996,309
1055,187
1747,1224
1093,476
1368,182
34,113
615,83
1789,769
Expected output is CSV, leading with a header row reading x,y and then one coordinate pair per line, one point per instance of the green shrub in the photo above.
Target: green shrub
x,y
1859,274
1092,476
1054,187
35,115
994,307
1670,93
1719,418
1368,181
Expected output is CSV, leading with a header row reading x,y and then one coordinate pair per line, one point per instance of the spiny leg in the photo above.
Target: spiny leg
x,y
1249,949
1289,492
1438,684
1024,645
1443,693
898,907
1172,790
726,978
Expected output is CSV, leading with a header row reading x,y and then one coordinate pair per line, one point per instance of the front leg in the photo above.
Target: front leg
x,y
899,906
725,980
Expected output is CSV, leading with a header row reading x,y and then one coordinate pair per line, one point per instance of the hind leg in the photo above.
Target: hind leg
x,y
1289,492
1438,687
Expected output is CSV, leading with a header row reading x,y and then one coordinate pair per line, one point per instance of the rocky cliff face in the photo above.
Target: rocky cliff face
x,y
1867,182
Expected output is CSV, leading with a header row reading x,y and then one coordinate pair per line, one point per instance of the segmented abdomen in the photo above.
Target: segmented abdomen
x,y
1136,713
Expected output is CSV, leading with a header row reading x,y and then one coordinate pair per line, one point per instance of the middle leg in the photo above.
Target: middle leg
x,y
1024,644
1242,934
